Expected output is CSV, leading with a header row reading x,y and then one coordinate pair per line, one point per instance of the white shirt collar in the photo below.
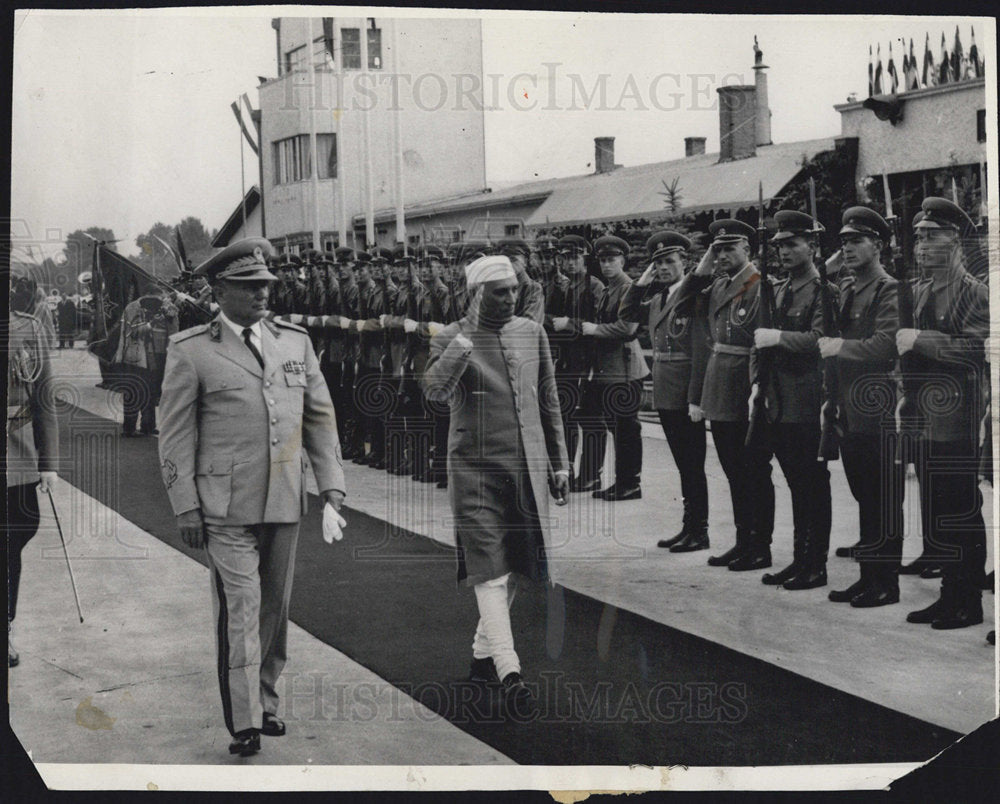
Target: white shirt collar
x,y
255,329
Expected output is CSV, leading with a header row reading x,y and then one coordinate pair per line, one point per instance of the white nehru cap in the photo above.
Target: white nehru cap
x,y
488,269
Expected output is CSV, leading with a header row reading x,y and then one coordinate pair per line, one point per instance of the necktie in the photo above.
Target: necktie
x,y
251,347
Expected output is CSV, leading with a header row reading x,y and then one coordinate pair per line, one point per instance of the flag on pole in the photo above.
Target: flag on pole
x,y
878,70
912,76
944,72
115,281
930,77
959,65
180,248
893,76
170,250
243,128
974,62
871,73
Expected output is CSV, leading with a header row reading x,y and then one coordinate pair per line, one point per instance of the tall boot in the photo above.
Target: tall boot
x,y
812,570
757,555
737,550
685,526
967,608
695,539
793,569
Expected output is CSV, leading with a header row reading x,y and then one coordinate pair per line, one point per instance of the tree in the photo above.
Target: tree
x,y
156,258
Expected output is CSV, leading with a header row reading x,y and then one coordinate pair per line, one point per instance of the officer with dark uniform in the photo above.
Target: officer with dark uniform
x,y
618,370
343,343
654,299
731,317
951,325
574,361
793,398
243,404
530,297
866,355
408,408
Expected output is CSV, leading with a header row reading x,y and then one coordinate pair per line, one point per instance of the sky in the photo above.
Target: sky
x,y
122,119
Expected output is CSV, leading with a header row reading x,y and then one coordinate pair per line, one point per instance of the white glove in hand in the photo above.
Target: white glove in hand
x,y
47,481
588,327
763,337
345,323
409,325
333,524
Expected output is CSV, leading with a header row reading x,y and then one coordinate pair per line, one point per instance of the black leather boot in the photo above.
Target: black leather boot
x,y
732,553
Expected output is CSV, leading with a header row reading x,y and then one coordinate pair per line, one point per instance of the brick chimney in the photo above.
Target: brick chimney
x,y
760,83
694,146
737,122
604,154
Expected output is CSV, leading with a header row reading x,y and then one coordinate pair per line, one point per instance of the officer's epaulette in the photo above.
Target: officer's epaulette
x,y
190,332
274,323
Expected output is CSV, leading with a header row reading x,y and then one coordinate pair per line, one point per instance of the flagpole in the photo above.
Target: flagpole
x,y
243,182
397,143
338,118
367,135
313,151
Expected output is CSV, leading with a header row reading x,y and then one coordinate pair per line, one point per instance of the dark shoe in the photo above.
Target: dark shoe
x,y
778,578
848,594
273,726
519,704
694,541
847,552
929,614
961,617
806,579
378,464
361,459
753,559
673,540
579,486
614,493
153,432
917,566
483,671
245,743
873,598
930,572
129,434
991,637
733,552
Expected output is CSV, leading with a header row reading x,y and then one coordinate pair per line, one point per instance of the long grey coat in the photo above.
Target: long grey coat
x,y
505,441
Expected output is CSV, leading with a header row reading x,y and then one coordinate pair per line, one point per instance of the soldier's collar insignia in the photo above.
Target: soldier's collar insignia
x,y
215,330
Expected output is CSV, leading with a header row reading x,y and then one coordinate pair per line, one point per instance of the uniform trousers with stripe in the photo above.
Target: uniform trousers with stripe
x,y
252,567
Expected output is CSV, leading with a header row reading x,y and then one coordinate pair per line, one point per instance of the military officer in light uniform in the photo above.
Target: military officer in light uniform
x,y
731,317
244,403
672,331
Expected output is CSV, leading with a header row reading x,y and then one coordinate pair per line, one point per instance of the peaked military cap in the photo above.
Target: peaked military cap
x,y
401,254
312,256
345,254
792,223
864,221
513,245
244,260
433,253
572,244
546,244
727,230
362,256
382,255
940,213
610,246
291,261
666,242
917,218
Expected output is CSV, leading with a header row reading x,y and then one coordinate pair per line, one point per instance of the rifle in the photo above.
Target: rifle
x,y
907,411
765,319
385,362
828,440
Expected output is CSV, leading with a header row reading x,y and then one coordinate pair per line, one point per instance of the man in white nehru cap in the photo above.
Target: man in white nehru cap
x,y
505,453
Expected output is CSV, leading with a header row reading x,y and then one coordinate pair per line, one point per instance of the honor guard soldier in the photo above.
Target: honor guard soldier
x,y
731,316
574,361
243,404
673,332
619,368
530,297
794,396
317,295
951,325
409,407
344,343
865,361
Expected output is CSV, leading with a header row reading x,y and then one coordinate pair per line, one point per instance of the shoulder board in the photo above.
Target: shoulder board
x,y
190,332
280,322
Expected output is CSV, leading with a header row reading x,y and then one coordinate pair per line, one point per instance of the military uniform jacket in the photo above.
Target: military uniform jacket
x,y
949,351
869,319
670,332
505,421
574,350
794,392
234,438
343,303
617,354
32,435
144,335
722,361
530,302
372,303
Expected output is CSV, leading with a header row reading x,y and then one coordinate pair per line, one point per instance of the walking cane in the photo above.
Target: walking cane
x,y
62,541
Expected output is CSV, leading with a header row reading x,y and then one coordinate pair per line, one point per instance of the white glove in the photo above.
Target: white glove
x,y
560,323
382,319
588,327
905,338
333,524
47,482
764,337
829,347
359,325
463,341
695,413
345,323
409,325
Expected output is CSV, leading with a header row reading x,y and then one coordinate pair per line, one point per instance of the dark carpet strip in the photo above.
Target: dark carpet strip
x,y
613,688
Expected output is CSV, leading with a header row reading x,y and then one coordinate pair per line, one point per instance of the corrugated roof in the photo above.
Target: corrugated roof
x,y
702,182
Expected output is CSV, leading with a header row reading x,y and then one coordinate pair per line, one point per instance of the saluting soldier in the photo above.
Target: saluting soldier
x,y
866,355
242,396
574,362
794,396
618,370
530,297
672,326
731,317
951,325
